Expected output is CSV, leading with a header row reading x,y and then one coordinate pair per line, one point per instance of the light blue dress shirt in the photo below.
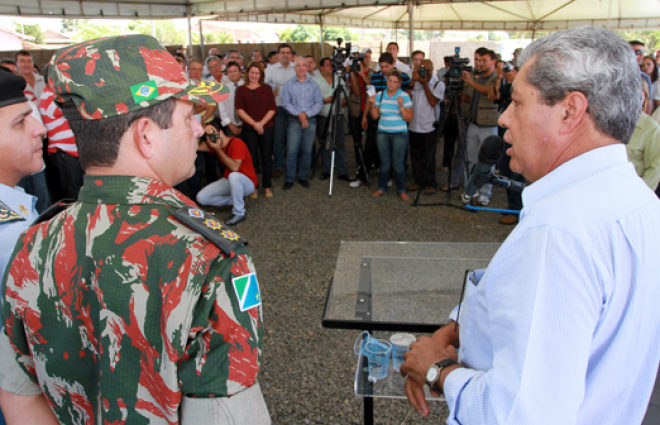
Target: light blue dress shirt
x,y
17,212
298,97
564,326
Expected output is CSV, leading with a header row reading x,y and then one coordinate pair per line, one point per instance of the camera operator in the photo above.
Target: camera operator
x,y
357,100
483,112
328,82
428,93
506,73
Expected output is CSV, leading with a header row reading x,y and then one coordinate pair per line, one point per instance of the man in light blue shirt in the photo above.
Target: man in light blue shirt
x,y
562,327
21,146
302,100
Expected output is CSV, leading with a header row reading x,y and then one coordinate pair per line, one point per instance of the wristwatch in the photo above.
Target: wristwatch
x,y
433,374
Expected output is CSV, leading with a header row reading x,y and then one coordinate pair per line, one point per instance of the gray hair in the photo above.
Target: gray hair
x,y
596,62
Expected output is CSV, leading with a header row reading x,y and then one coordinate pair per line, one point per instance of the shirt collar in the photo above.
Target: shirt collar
x,y
571,171
18,201
131,190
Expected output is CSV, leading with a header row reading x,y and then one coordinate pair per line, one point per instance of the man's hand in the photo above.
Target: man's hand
x,y
327,99
276,91
365,124
422,355
467,78
500,70
258,127
399,101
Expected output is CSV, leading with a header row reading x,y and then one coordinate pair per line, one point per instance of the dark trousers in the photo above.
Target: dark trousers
x,y
422,150
70,174
339,139
264,144
451,134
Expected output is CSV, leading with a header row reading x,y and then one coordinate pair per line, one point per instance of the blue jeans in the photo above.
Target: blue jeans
x,y
303,139
279,137
392,148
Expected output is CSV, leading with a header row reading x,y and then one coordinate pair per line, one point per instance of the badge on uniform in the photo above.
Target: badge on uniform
x,y
247,291
7,215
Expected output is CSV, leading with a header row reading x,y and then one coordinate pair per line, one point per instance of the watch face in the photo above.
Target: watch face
x,y
432,374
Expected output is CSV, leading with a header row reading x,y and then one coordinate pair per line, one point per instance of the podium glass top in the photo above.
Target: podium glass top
x,y
400,286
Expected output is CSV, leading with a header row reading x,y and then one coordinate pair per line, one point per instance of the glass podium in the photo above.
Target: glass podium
x,y
400,287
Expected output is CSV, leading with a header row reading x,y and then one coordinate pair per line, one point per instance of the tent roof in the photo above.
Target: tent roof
x,y
506,15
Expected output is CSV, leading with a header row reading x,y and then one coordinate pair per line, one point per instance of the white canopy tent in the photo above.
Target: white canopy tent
x,y
488,15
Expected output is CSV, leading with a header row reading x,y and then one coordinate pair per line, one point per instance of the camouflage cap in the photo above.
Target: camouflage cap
x,y
116,75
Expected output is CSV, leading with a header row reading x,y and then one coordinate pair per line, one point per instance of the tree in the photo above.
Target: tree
x,y
33,30
300,34
88,31
651,39
333,33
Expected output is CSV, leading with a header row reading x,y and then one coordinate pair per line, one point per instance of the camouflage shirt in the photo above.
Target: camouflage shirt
x,y
119,310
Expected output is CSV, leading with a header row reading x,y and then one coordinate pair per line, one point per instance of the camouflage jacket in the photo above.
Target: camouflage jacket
x,y
118,309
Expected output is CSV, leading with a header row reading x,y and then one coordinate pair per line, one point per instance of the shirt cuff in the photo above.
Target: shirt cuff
x,y
454,383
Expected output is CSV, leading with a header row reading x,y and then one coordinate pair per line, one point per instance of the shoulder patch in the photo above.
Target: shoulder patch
x,y
7,215
213,229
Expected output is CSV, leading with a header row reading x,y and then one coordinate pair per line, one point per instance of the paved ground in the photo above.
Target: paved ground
x,y
307,371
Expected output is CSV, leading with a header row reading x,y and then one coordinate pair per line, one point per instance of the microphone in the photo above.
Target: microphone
x,y
507,183
491,150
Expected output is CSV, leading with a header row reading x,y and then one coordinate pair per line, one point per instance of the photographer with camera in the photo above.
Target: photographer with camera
x,y
483,111
328,81
357,100
427,94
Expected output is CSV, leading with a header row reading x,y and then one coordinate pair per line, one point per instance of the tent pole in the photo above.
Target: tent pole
x,y
201,40
410,27
190,47
321,37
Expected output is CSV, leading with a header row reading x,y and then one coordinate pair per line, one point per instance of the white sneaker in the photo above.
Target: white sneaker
x,y
356,183
484,200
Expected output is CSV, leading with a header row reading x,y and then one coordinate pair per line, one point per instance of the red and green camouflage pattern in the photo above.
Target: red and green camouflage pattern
x,y
116,75
119,310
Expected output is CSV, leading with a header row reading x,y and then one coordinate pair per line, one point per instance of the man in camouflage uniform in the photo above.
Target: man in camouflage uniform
x,y
133,306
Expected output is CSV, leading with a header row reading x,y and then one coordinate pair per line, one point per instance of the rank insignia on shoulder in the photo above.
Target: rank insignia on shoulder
x,y
213,229
8,215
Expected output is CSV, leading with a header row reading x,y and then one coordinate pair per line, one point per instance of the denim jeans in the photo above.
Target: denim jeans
x,y
227,191
279,137
392,148
303,139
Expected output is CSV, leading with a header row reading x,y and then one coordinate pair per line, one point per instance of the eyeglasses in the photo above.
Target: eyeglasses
x,y
212,137
639,52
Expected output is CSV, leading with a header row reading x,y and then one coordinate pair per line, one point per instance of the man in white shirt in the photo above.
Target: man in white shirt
x,y
562,326
226,112
393,49
428,93
276,76
35,82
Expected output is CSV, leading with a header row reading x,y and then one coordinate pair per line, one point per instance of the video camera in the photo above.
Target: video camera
x,y
453,76
339,55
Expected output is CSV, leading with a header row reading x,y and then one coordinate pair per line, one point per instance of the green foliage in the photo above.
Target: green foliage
x,y
88,31
421,35
333,33
651,39
300,34
33,30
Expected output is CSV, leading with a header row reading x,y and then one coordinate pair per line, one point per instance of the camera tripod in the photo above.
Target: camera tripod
x,y
332,127
455,104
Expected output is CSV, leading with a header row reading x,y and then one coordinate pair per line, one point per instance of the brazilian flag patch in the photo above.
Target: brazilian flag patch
x,y
144,91
247,291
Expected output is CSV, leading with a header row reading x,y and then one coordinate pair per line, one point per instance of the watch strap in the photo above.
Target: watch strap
x,y
439,366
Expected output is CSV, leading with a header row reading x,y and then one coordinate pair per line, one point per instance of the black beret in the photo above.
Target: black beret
x,y
11,88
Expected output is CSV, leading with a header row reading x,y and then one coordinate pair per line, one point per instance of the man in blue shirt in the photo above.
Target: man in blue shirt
x,y
562,326
21,146
302,100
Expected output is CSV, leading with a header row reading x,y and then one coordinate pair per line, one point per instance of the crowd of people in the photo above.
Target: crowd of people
x,y
133,305
282,107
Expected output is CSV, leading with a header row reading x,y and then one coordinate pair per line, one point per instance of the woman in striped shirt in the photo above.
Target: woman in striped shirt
x,y
394,108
